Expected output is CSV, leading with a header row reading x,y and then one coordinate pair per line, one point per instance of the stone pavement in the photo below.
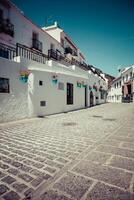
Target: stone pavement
x,y
82,155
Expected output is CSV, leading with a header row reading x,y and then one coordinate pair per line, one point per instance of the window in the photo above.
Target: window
x,y
120,84
117,84
4,85
131,74
126,77
114,85
35,36
1,14
40,83
69,93
62,42
42,103
61,86
52,46
123,79
102,94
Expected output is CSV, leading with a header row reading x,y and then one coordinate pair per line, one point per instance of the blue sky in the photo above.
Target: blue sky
x,y
102,29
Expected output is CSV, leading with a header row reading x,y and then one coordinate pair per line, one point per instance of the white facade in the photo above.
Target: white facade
x,y
122,88
33,84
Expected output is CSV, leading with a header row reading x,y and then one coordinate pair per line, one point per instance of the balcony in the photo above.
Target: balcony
x,y
37,44
6,27
58,56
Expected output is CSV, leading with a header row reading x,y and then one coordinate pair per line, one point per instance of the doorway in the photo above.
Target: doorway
x,y
85,96
91,99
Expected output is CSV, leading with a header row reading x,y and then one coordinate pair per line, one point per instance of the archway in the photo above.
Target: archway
x,y
91,99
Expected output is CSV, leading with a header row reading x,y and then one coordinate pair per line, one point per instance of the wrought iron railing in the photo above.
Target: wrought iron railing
x,y
7,51
35,55
58,56
26,52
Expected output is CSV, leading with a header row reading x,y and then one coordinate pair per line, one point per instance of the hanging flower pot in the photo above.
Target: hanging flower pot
x,y
83,84
55,78
78,84
95,87
24,76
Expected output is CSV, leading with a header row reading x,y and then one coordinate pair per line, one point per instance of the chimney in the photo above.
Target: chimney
x,y
56,24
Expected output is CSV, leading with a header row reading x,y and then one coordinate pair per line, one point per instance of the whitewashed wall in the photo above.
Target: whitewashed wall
x,y
13,105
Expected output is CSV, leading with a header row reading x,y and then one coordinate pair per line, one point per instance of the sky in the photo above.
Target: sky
x,y
102,29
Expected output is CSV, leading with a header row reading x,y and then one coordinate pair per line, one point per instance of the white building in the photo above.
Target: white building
x,y
39,73
122,88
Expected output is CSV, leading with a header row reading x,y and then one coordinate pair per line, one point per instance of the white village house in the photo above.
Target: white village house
x,y
122,88
42,71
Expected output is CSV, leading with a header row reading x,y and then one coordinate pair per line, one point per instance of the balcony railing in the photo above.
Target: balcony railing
x,y
6,27
7,51
37,44
35,55
26,52
58,56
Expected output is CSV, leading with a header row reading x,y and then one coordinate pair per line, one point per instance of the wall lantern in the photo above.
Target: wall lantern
x,y
24,76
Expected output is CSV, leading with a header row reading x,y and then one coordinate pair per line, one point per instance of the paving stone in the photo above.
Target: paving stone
x,y
105,192
62,160
123,163
13,171
50,170
25,177
3,166
38,165
53,195
25,168
54,164
2,174
19,187
116,151
128,145
98,157
29,193
36,182
6,160
3,189
73,185
40,159
16,164
104,173
8,179
36,172
125,139
11,196
111,142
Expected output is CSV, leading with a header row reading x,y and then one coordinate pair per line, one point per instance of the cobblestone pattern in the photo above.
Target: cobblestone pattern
x,y
81,155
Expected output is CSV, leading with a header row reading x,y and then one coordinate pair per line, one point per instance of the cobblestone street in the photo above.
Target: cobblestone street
x,y
82,155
